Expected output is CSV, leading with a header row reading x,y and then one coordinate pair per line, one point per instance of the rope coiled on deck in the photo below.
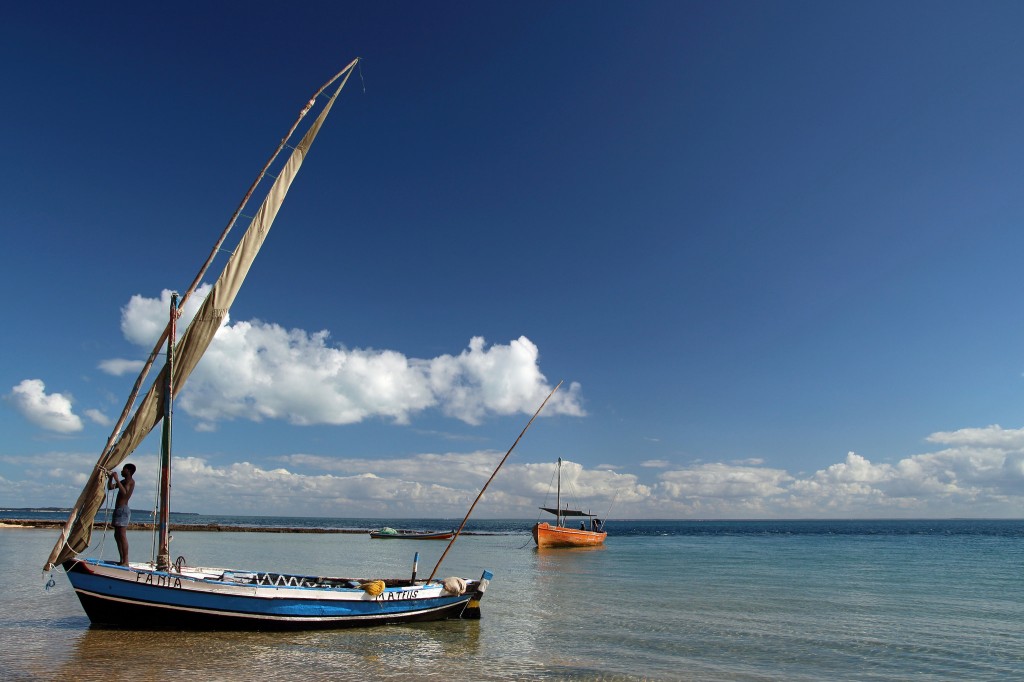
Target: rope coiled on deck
x,y
373,587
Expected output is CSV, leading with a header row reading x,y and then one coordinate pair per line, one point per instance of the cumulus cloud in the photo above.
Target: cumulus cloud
x,y
724,481
430,485
99,418
978,479
982,475
264,371
119,367
953,482
50,411
989,436
143,319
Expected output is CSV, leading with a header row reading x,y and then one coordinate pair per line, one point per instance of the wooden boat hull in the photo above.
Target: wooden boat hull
x,y
546,535
412,536
141,597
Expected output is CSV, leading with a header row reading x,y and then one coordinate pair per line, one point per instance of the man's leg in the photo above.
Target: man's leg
x,y
121,536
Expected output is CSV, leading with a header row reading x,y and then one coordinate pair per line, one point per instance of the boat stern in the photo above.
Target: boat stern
x,y
472,610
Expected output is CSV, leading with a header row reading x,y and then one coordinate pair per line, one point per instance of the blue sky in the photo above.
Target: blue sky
x,y
772,249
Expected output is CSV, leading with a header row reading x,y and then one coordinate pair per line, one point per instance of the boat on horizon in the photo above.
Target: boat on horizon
x,y
163,594
546,535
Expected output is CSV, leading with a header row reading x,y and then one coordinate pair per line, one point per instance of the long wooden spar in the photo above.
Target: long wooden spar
x,y
115,433
213,252
481,494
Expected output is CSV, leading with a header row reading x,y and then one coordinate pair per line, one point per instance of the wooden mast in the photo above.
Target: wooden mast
x,y
163,556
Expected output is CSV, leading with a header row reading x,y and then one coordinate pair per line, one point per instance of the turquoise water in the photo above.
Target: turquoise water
x,y
878,600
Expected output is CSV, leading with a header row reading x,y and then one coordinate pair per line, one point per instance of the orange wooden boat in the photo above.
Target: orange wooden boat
x,y
560,535
546,535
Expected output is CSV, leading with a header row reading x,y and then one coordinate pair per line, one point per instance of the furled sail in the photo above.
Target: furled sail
x,y
77,533
566,512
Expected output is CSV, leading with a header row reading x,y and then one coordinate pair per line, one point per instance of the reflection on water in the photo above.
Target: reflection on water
x,y
555,553
374,653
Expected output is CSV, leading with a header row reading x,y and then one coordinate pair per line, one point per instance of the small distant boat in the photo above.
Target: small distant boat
x,y
387,533
559,535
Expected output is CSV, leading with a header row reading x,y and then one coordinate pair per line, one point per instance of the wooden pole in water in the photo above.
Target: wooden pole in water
x,y
472,506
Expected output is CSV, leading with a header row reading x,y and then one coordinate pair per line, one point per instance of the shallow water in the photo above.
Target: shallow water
x,y
662,600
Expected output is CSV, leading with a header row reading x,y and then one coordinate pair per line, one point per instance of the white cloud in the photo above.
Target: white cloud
x,y
118,367
656,463
50,411
962,481
709,489
143,319
56,484
990,436
428,485
264,371
99,418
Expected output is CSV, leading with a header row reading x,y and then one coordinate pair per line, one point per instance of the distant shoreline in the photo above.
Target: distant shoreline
x,y
49,524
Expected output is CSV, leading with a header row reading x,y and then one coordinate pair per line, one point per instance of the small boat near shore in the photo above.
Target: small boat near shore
x,y
392,534
559,535
197,598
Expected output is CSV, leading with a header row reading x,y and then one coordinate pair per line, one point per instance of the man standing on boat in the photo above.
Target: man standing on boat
x,y
122,514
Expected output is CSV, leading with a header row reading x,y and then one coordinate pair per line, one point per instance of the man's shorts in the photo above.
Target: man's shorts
x,y
122,515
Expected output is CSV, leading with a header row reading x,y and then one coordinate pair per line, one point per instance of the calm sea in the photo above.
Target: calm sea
x,y
663,600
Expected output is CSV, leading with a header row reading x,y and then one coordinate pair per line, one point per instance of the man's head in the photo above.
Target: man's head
x,y
128,470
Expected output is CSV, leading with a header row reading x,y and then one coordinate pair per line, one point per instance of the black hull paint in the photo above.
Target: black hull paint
x,y
105,613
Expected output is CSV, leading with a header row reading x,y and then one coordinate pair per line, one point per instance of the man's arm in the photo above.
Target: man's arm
x,y
116,483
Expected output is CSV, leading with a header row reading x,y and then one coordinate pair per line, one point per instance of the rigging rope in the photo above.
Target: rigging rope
x,y
106,519
65,530
156,530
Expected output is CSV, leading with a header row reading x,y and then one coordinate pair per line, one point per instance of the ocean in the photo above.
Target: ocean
x,y
662,600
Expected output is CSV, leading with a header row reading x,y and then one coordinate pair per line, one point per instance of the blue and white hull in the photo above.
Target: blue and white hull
x,y
139,596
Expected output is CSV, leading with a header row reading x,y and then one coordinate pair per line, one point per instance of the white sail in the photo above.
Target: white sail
x,y
190,348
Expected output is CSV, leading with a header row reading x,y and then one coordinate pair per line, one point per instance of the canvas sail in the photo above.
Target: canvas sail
x,y
566,512
77,532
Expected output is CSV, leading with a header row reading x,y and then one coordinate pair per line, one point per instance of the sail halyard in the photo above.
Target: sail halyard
x,y
77,532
